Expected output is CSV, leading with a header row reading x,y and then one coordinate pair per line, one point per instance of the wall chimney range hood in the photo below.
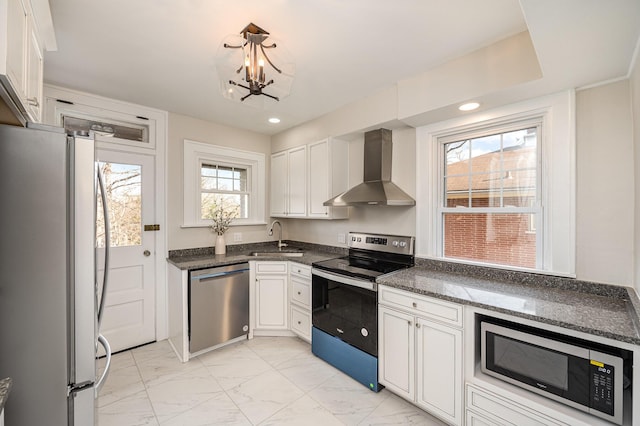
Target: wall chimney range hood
x,y
377,188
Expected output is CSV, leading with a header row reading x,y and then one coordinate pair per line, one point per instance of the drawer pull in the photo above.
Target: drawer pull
x,y
299,323
33,102
415,305
299,293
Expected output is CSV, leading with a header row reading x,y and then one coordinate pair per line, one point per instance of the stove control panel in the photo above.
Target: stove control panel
x,y
386,243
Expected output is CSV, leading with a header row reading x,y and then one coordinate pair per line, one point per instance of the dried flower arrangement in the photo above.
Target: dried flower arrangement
x,y
222,216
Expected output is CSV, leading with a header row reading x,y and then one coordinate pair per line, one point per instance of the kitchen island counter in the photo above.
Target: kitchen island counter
x,y
598,309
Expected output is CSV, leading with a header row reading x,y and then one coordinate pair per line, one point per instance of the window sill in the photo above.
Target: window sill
x,y
199,225
496,266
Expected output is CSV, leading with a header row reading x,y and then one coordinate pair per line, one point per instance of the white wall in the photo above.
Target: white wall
x,y
180,128
383,219
605,206
605,184
635,101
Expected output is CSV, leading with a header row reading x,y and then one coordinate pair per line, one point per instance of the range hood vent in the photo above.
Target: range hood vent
x,y
377,188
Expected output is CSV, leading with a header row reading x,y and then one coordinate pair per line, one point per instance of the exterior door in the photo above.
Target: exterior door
x,y
129,313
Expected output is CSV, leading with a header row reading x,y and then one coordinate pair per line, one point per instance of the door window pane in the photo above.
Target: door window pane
x,y
123,183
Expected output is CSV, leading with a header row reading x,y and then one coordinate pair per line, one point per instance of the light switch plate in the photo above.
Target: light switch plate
x,y
237,237
342,238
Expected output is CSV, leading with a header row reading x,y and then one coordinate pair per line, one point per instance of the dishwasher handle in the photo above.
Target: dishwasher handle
x,y
219,274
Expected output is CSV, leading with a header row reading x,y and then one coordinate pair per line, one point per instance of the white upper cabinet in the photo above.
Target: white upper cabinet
x,y
15,59
21,62
303,178
289,183
297,182
328,177
35,66
279,182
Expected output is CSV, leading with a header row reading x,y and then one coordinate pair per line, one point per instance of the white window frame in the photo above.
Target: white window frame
x,y
557,186
197,153
486,130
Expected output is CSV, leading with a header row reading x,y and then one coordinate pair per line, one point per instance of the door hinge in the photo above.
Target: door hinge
x,y
154,227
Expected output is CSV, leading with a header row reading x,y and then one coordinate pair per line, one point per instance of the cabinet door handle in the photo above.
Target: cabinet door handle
x,y
417,325
409,322
299,322
415,305
33,102
299,293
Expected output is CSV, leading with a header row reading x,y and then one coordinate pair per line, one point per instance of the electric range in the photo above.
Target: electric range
x,y
345,306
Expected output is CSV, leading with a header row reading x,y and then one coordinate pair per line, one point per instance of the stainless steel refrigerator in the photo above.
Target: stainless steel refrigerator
x,y
49,301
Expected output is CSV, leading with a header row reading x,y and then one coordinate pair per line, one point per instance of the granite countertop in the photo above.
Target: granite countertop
x,y
205,258
5,388
603,310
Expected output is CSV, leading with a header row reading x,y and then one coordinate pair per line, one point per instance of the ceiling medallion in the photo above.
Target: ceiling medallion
x,y
253,68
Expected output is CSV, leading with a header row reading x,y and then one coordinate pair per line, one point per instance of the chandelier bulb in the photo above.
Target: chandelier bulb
x,y
261,70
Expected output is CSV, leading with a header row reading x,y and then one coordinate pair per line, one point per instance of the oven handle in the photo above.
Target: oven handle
x,y
368,285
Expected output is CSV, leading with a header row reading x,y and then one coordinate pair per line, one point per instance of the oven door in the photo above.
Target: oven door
x,y
346,308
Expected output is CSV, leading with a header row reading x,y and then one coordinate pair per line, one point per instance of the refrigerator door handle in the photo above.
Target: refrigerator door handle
x,y
107,350
107,246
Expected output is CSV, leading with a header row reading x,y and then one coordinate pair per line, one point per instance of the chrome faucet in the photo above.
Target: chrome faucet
x,y
280,243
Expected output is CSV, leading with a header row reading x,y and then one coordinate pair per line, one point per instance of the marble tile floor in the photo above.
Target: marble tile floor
x,y
263,381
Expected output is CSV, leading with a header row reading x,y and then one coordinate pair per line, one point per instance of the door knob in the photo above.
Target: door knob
x,y
147,253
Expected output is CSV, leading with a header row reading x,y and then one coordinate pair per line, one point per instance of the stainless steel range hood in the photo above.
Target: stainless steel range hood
x,y
377,188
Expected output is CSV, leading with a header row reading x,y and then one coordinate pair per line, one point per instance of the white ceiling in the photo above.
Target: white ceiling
x,y
161,53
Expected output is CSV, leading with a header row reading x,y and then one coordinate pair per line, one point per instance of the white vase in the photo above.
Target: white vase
x,y
221,245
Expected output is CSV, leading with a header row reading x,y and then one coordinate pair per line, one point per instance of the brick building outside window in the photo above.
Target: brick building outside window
x,y
490,201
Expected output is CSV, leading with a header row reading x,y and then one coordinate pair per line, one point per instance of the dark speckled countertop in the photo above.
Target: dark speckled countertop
x,y
599,309
5,388
603,310
205,258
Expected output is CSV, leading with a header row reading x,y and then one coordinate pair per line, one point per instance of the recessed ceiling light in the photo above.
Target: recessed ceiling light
x,y
470,106
274,120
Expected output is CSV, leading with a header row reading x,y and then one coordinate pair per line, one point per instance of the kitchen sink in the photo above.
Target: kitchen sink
x,y
276,253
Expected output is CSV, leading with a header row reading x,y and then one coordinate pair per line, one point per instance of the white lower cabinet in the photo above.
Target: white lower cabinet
x,y
420,358
301,323
271,296
475,419
396,352
487,408
300,301
439,370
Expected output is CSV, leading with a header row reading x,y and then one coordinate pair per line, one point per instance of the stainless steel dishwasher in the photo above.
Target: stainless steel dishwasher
x,y
218,305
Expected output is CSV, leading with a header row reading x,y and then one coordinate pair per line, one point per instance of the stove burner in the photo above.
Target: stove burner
x,y
357,267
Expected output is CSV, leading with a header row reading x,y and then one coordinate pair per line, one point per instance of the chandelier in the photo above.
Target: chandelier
x,y
253,68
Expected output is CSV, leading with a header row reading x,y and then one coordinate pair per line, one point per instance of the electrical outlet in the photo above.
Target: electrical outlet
x,y
237,237
342,238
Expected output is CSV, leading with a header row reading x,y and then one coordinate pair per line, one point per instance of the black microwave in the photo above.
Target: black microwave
x,y
572,371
